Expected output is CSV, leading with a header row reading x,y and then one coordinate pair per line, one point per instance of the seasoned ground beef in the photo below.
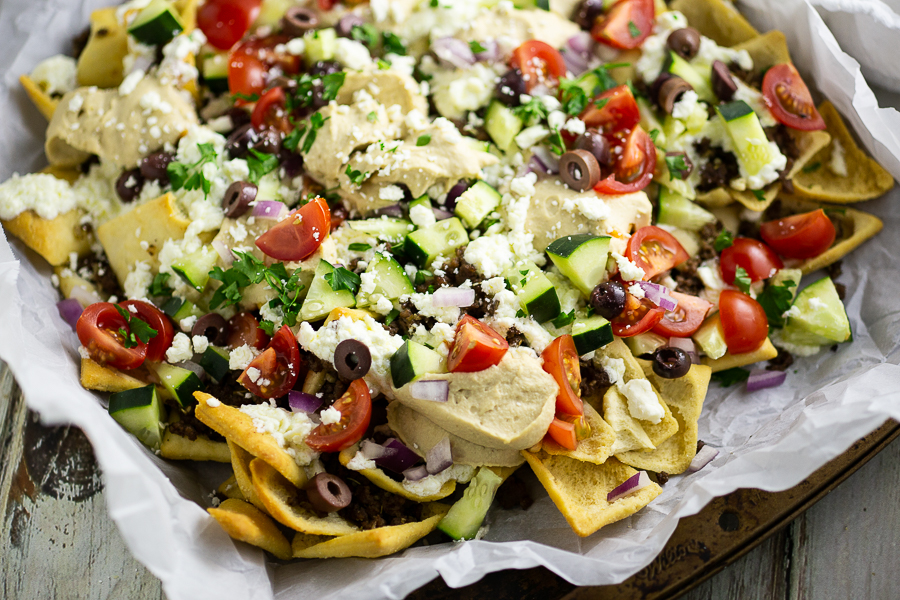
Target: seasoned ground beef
x,y
708,235
594,381
514,493
408,318
748,229
457,271
191,427
781,136
781,362
721,166
230,392
101,274
685,276
515,338
662,478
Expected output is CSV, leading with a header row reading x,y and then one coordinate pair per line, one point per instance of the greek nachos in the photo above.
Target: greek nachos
x,y
371,252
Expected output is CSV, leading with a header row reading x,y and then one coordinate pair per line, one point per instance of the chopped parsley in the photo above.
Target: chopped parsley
x,y
393,44
760,195
521,314
677,166
248,270
812,168
260,164
342,279
557,143
653,133
601,102
723,240
160,286
391,316
742,280
309,87
365,34
293,139
422,275
564,319
776,300
633,29
606,81
316,120
531,112
356,176
729,377
359,247
137,329
423,140
383,65
191,177
245,97
476,47
331,85
573,97
372,117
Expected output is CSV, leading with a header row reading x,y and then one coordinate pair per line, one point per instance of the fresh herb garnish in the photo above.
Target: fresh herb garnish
x,y
245,97
331,85
633,29
742,280
393,44
531,112
160,286
422,275
316,120
372,117
191,177
653,133
342,279
365,34
573,97
760,195
521,314
776,300
564,319
137,329
248,270
383,65
557,143
606,81
723,240
677,166
359,247
260,164
356,176
423,140
601,102
310,130
391,316
729,377
476,47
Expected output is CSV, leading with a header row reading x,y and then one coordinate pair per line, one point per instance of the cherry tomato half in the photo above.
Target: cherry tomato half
x,y
298,235
626,25
538,62
799,236
224,22
356,412
563,433
270,110
98,331
157,319
634,166
277,368
758,260
789,99
476,347
639,316
561,361
655,250
250,62
243,328
686,319
613,111
743,322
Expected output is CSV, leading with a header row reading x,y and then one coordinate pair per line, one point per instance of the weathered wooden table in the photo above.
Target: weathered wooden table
x,y
58,542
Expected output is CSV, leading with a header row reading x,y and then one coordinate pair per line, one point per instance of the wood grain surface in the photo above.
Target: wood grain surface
x,y
58,542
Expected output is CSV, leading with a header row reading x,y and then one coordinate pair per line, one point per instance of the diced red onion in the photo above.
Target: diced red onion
x,y
435,390
686,344
303,402
760,379
491,52
224,251
634,483
194,368
451,296
69,309
84,296
393,210
439,457
416,473
581,43
703,458
549,160
575,63
658,295
535,165
370,450
269,209
440,214
397,457
455,192
347,23
454,52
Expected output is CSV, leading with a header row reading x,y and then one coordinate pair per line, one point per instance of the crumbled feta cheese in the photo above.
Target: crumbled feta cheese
x,y
180,350
200,343
352,54
490,255
530,136
138,281
431,484
493,286
330,416
241,357
289,429
56,75
422,216
254,374
45,194
636,291
187,323
627,268
575,126
130,82
360,462
212,402
643,402
393,193
838,162
614,367
593,207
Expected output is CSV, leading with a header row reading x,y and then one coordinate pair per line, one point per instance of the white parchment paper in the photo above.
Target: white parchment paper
x,y
770,440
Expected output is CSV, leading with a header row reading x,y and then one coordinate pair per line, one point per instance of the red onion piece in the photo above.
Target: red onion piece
x,y
703,458
84,296
440,214
535,165
394,210
453,52
451,296
224,251
370,450
658,295
455,192
69,309
397,457
436,390
760,379
269,209
581,43
439,457
686,344
303,402
347,23
634,483
415,473
547,158
491,52
575,64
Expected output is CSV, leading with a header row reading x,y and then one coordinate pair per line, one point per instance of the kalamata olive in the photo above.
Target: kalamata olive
x,y
455,192
155,166
657,83
511,87
588,12
670,362
287,84
268,141
237,198
608,299
297,20
129,185
684,42
579,170
328,493
594,142
352,359
347,23
673,164
214,327
325,67
722,82
670,91
240,140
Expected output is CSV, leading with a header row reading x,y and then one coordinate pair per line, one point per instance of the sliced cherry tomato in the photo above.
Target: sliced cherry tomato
x,y
639,316
743,322
789,99
224,22
686,319
476,347
298,235
634,166
327,4
655,250
626,25
613,111
356,412
243,329
277,368
98,330
270,110
538,62
799,236
758,260
250,62
563,433
561,361
157,319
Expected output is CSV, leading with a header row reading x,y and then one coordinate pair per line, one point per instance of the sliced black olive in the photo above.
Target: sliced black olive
x,y
240,140
579,170
587,13
129,185
684,42
594,142
511,87
155,166
670,91
352,359
213,327
671,363
328,493
298,20
237,198
608,299
722,82
325,67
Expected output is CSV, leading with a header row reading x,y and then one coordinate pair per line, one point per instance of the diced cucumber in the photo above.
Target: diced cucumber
x,y
591,333
269,187
711,338
675,209
645,343
215,362
536,293
412,361
678,66
179,383
817,316
502,125
140,412
185,310
385,229
649,122
156,24
476,203
751,146
173,306
785,275
467,514
581,258
320,45
441,239
195,267
271,11
541,4
215,72
322,299
422,200
390,280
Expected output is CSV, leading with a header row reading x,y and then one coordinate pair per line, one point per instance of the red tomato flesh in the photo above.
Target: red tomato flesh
x,y
655,251
627,24
539,62
98,331
476,347
269,110
758,260
299,235
789,99
224,22
561,361
277,368
356,412
155,318
686,319
634,167
243,328
743,322
563,433
613,111
640,315
799,236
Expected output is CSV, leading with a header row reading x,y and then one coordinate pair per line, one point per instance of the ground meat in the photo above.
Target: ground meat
x,y
748,229
752,77
686,279
333,388
101,274
191,427
594,381
230,392
721,166
514,493
785,141
781,362
662,478
841,290
708,234
835,269
515,338
407,319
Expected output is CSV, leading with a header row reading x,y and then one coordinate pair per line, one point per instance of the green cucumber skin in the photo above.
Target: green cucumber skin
x,y
407,358
465,517
215,362
592,339
734,110
565,246
181,383
158,29
140,413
